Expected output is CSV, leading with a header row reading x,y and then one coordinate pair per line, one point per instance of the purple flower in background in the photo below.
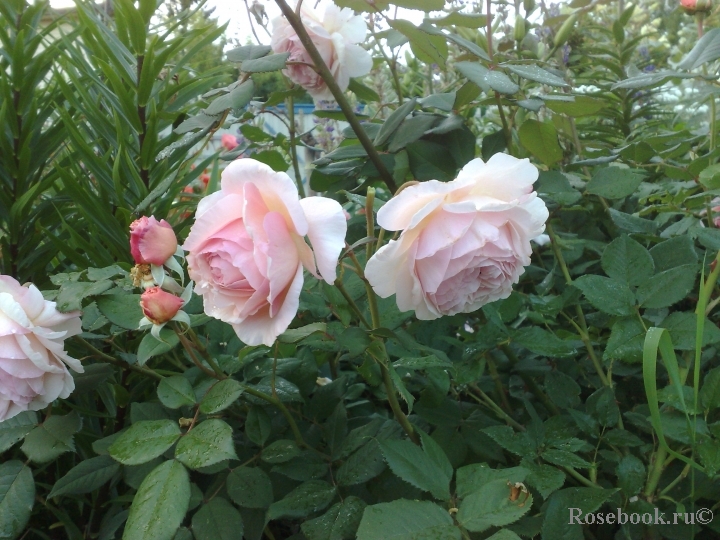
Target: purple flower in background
x,y
649,68
566,53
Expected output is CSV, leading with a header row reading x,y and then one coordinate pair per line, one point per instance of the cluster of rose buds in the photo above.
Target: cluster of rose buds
x,y
153,245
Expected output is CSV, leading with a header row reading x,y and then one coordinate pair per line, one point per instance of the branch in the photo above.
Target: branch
x,y
337,93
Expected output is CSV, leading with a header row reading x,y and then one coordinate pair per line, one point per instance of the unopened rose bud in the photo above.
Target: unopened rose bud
x,y
229,142
696,6
152,241
205,179
159,306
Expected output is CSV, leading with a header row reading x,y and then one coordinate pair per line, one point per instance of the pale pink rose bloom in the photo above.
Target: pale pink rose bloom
x,y
336,35
229,142
464,243
247,249
33,370
159,306
152,241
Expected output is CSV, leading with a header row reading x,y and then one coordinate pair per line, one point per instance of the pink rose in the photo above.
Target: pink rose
x,y
336,37
464,243
152,241
229,142
33,370
247,249
159,306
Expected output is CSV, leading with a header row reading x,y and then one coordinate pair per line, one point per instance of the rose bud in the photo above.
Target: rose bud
x,y
205,179
152,241
159,306
696,6
229,142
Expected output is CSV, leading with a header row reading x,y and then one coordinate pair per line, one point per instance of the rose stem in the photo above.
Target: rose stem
x,y
332,85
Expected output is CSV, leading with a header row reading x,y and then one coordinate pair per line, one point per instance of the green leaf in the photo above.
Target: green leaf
x,y
280,451
603,406
236,99
175,391
536,73
709,452
85,477
674,252
472,478
466,20
556,524
160,503
710,177
363,93
626,340
707,49
545,478
250,487
490,506
632,224
366,463
608,295
273,62
17,496
416,467
221,395
71,294
339,523
311,496
297,334
52,438
151,346
122,310
217,520
257,425
626,260
393,122
421,5
565,459
541,140
430,161
411,130
407,520
422,362
614,183
504,534
14,429
710,391
555,186
683,329
580,106
631,475
144,440
428,48
493,144
542,342
273,158
668,287
248,52
562,389
209,442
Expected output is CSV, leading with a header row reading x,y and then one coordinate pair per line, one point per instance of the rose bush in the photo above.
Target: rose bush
x,y
247,249
379,361
33,362
464,243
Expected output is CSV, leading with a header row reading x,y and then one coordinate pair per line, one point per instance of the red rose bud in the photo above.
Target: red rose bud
x,y
696,6
152,241
229,142
159,306
205,179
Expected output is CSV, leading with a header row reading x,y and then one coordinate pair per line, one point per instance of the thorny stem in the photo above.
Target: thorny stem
x,y
492,367
584,335
285,412
580,478
370,221
351,302
337,93
191,353
392,398
293,147
372,299
487,400
656,470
